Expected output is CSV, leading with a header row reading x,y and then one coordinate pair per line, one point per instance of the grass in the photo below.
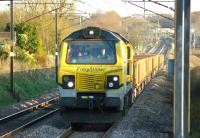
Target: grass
x,y
5,97
27,84
195,102
195,118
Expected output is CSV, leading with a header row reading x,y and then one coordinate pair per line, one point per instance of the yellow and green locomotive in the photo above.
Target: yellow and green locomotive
x,y
98,72
95,70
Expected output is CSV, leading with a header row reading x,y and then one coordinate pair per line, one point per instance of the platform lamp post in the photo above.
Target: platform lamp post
x,y
182,70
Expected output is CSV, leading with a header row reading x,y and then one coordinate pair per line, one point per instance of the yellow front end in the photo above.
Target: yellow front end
x,y
90,78
87,82
103,84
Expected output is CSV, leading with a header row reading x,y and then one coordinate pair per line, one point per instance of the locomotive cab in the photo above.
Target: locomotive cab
x,y
95,70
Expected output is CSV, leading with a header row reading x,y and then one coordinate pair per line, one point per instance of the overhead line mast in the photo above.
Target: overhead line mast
x,y
56,43
11,49
182,70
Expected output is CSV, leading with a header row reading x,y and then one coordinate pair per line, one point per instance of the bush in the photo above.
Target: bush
x,y
41,55
24,56
27,37
4,51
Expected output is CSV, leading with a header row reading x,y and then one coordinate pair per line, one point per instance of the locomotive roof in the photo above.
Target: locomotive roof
x,y
104,34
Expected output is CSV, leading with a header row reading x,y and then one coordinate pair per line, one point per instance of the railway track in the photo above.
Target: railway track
x,y
70,132
106,134
14,123
27,110
67,133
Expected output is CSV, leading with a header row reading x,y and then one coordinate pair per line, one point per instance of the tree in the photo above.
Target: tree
x,y
27,37
4,18
46,23
7,27
4,51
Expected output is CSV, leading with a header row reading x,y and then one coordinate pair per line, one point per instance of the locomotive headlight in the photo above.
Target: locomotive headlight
x,y
115,78
70,84
68,81
112,82
91,32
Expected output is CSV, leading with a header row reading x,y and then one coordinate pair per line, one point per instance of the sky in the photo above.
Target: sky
x,y
125,9
122,8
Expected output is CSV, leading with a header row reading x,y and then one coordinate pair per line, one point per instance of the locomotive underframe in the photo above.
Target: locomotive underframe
x,y
111,98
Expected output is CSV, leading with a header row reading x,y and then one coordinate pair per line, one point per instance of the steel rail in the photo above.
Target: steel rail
x,y
106,134
66,133
15,115
13,132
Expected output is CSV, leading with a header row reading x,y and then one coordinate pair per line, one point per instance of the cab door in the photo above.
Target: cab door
x,y
129,63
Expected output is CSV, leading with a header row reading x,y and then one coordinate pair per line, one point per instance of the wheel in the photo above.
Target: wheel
x,y
135,92
132,96
143,85
138,89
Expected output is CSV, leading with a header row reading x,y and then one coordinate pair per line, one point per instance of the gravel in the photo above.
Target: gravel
x,y
13,124
151,115
43,131
87,135
51,127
